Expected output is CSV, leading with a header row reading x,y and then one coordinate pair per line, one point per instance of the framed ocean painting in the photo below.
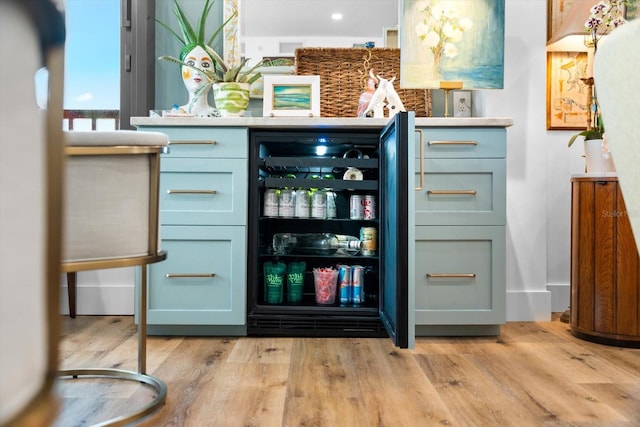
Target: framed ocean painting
x,y
291,96
452,41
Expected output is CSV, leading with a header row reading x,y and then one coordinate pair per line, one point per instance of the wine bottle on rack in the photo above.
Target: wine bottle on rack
x,y
315,244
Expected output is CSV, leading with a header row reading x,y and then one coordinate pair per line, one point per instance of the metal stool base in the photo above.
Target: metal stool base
x,y
156,384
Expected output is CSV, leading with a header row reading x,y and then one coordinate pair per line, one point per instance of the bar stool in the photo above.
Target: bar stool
x,y
110,221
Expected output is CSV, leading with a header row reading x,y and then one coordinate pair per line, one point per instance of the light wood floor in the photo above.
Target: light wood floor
x,y
533,374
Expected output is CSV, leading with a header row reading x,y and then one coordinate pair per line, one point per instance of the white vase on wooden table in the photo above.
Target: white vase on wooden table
x,y
597,156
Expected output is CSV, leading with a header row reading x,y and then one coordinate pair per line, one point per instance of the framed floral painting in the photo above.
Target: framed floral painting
x,y
452,40
567,95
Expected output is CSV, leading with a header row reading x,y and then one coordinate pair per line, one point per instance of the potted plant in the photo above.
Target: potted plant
x,y
203,68
592,133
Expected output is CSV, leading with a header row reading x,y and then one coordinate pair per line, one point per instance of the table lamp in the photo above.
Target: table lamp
x,y
572,36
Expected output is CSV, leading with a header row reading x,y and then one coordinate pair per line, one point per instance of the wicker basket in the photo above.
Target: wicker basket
x,y
343,74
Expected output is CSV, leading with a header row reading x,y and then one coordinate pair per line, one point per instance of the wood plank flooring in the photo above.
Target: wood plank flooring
x,y
533,374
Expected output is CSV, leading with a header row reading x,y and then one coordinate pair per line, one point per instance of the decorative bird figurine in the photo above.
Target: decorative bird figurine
x,y
376,100
394,103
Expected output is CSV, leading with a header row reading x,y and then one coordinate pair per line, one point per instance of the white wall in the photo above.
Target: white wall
x,y
539,169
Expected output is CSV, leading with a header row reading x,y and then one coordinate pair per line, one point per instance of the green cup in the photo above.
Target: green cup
x,y
295,281
274,274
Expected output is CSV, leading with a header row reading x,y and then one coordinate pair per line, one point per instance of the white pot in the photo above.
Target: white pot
x,y
598,158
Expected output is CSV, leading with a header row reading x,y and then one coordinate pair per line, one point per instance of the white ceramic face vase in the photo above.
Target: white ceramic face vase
x,y
197,83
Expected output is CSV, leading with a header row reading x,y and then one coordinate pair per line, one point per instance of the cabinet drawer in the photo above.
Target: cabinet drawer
x,y
203,192
463,143
460,275
205,141
203,280
462,192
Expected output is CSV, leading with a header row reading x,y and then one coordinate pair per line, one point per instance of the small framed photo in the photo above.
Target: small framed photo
x,y
461,103
291,96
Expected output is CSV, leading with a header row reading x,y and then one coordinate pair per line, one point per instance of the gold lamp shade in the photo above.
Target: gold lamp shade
x,y
571,35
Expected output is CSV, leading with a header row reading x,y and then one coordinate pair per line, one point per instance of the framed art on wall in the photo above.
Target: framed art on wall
x,y
567,95
452,40
289,96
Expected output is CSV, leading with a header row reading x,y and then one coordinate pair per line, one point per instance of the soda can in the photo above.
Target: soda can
x,y
356,209
357,284
369,239
369,207
270,207
303,202
319,204
287,203
344,284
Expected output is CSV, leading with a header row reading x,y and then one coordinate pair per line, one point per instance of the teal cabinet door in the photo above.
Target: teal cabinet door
x,y
203,191
460,276
463,143
205,141
462,192
203,280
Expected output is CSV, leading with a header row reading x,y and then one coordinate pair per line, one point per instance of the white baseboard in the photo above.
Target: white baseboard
x,y
524,306
101,292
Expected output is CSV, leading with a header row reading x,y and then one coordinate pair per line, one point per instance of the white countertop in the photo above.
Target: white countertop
x,y
298,122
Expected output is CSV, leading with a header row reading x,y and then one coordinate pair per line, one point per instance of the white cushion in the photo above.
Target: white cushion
x,y
117,137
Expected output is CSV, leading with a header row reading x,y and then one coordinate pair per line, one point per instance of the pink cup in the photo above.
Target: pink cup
x,y
325,281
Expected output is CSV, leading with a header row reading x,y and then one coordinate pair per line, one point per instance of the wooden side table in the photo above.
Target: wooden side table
x,y
605,266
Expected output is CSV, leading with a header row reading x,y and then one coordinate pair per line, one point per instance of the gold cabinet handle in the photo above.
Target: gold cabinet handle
x,y
453,142
189,275
421,186
451,275
453,192
194,142
209,192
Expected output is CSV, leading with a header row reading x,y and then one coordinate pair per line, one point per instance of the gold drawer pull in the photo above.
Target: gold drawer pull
x,y
189,275
453,142
451,275
453,192
192,192
193,142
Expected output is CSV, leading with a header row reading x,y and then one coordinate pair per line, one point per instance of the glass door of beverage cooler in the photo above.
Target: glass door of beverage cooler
x,y
397,224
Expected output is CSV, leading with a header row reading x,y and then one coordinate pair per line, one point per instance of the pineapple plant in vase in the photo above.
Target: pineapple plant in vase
x,y
202,69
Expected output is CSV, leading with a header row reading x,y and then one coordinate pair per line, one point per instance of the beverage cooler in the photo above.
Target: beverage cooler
x,y
330,214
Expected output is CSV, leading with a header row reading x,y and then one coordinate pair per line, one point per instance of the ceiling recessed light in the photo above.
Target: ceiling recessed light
x,y
336,16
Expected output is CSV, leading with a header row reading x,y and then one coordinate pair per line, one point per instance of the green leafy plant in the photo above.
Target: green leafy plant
x,y
221,71
596,132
